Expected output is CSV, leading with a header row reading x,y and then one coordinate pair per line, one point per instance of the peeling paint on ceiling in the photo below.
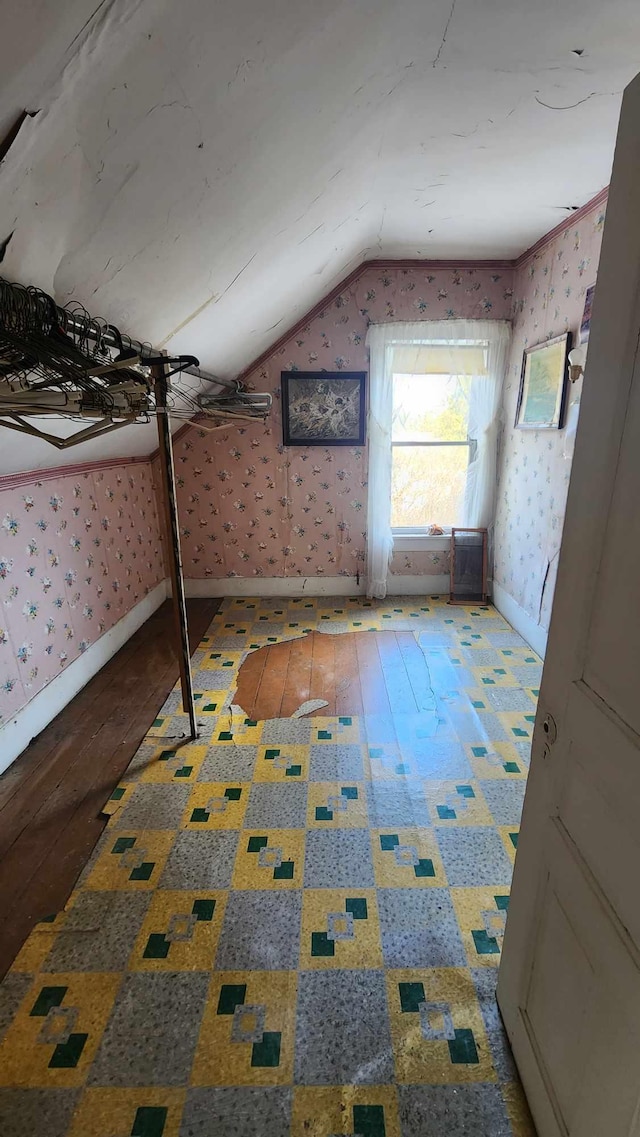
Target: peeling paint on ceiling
x,y
200,174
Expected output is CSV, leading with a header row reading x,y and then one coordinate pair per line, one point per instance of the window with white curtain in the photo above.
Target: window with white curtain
x,y
434,393
431,446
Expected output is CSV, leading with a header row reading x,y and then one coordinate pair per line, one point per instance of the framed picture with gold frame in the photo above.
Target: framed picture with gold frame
x,y
544,383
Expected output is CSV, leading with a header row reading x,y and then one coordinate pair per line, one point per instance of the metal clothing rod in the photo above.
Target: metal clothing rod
x,y
75,324
165,441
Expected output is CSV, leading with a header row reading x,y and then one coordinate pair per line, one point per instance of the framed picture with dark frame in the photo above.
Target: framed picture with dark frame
x,y
323,408
544,383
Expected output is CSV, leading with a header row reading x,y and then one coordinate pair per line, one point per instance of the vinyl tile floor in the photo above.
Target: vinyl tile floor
x,y
292,927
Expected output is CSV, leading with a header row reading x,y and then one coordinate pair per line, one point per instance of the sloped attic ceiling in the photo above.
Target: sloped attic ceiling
x,y
201,173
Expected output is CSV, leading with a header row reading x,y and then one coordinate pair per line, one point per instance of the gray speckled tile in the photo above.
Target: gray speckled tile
x,y
292,731
418,928
473,856
397,804
342,1030
261,930
437,758
453,1111
509,699
201,860
237,1111
154,807
99,932
234,761
24,1112
485,980
13,989
528,674
504,637
153,1029
482,657
338,858
275,806
505,799
330,763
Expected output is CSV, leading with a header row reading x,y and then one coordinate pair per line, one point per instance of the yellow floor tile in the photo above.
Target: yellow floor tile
x,y
53,1038
247,1032
339,1111
453,804
107,1111
340,928
216,805
443,1042
482,915
407,858
337,805
180,931
269,858
134,859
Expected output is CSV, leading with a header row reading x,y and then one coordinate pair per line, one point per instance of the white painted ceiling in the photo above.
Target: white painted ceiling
x,y
201,172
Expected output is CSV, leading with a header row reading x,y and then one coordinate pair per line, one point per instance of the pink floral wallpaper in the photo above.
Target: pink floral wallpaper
x,y
549,292
250,508
77,552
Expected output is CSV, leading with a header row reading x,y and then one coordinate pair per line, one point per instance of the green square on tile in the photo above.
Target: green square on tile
x,y
270,754
323,814
465,791
158,722
215,655
49,997
293,772
122,844
345,721
267,1052
284,871
502,902
401,768
499,671
535,691
256,844
424,867
529,718
378,752
165,755
232,995
445,813
462,1049
479,751
325,734
199,814
67,1054
489,682
411,996
143,871
210,707
485,945
506,651
357,906
157,947
118,793
389,841
225,736
183,772
530,659
511,768
368,1120
149,1121
514,839
233,793
519,733
228,663
204,909
357,623
350,792
479,706
250,722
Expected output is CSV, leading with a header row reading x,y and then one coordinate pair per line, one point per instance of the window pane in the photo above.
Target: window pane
x,y
427,485
430,408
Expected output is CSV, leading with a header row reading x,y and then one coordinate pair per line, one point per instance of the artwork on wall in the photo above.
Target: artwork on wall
x,y
323,408
585,326
543,385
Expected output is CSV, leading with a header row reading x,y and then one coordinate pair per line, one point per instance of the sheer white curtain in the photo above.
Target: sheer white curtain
x,y
390,350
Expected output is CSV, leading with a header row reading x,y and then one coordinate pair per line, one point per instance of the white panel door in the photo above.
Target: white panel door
x,y
569,984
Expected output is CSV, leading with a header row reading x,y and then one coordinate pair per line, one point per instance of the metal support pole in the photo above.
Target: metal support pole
x,y
173,535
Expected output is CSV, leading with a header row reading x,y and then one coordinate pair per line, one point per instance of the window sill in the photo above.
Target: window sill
x,y
404,542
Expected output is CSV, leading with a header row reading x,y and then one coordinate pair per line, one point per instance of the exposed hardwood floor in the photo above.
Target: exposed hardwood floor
x,y
356,672
50,798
